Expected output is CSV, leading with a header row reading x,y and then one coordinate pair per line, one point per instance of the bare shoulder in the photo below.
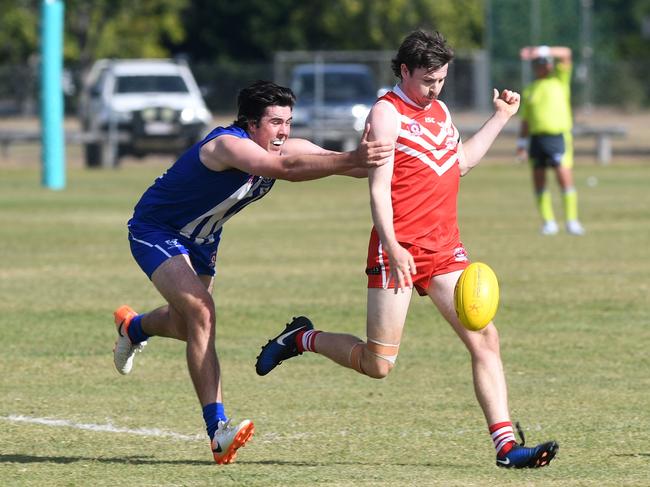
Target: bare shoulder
x,y
383,107
384,120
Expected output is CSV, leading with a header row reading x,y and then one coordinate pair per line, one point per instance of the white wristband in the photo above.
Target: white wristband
x,y
522,143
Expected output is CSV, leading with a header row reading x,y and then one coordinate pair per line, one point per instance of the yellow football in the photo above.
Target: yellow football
x,y
476,296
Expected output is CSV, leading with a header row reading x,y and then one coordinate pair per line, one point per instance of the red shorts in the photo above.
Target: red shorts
x,y
427,262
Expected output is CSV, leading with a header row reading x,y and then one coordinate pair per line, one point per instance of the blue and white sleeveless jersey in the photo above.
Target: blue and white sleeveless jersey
x,y
195,201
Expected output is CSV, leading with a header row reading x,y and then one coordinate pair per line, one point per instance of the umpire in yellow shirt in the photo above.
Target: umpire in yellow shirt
x,y
545,135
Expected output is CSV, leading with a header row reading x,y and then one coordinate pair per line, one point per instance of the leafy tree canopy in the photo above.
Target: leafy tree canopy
x,y
254,29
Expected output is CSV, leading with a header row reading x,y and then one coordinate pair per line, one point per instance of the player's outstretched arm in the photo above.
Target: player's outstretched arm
x,y
227,152
373,153
472,151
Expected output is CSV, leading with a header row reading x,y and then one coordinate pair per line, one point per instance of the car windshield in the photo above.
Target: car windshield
x,y
338,87
150,84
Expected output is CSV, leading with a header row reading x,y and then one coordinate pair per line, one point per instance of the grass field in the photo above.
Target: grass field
x,y
574,324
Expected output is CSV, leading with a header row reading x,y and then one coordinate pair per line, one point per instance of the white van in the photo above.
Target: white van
x,y
140,106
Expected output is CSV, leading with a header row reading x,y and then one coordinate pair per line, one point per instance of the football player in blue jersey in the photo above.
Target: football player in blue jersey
x,y
176,226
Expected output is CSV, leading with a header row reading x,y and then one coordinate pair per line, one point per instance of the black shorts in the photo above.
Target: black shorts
x,y
546,150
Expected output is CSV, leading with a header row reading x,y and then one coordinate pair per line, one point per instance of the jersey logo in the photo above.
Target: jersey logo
x,y
172,243
460,254
415,128
451,143
435,150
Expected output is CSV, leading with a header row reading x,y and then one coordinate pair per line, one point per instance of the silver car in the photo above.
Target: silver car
x,y
333,102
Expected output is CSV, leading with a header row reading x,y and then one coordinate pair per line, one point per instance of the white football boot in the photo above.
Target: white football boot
x,y
573,227
549,228
228,439
124,350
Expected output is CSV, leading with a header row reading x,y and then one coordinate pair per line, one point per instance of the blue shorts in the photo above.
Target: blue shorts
x,y
547,150
152,245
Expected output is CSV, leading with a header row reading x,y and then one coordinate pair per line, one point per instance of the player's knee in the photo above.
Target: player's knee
x,y
377,367
491,338
485,343
374,359
199,315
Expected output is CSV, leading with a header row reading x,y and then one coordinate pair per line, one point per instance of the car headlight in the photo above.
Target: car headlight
x,y
188,115
204,115
191,115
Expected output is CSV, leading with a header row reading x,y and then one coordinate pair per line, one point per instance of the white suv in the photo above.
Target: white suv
x,y
140,106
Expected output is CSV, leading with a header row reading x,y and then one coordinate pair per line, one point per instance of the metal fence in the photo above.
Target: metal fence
x,y
471,78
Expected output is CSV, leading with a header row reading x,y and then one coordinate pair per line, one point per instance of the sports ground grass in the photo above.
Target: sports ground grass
x,y
574,324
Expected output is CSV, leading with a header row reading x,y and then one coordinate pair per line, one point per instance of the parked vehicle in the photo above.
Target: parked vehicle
x,y
333,102
140,106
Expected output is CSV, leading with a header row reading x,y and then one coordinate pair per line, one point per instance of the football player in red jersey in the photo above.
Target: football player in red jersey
x,y
415,242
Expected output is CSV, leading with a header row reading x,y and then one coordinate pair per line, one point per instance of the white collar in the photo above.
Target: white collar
x,y
398,91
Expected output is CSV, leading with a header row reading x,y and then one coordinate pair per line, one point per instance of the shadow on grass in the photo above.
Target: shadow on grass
x,y
327,464
147,460
133,460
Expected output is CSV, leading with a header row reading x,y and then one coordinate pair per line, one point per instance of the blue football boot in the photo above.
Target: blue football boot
x,y
282,347
524,457
521,456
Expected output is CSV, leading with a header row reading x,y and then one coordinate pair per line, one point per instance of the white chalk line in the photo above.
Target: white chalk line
x,y
104,428
155,432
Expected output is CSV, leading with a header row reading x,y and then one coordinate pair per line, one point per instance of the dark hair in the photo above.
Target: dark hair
x,y
253,100
422,49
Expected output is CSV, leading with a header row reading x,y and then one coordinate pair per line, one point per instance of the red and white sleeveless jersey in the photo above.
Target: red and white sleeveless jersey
x,y
426,176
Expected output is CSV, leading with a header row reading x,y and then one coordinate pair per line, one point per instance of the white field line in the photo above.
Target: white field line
x,y
268,437
104,428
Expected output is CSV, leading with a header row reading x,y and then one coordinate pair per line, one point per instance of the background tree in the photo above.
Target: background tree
x,y
622,40
239,37
122,28
255,29
18,30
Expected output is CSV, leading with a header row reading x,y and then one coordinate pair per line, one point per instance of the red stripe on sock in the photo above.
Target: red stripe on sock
x,y
299,340
506,447
497,426
312,341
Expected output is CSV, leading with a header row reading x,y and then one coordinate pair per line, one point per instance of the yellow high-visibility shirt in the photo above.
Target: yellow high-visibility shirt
x,y
546,103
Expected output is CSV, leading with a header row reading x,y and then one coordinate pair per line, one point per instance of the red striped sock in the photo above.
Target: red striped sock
x,y
503,437
305,340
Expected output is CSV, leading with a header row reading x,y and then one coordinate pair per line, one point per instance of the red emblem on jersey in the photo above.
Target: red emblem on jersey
x,y
415,128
